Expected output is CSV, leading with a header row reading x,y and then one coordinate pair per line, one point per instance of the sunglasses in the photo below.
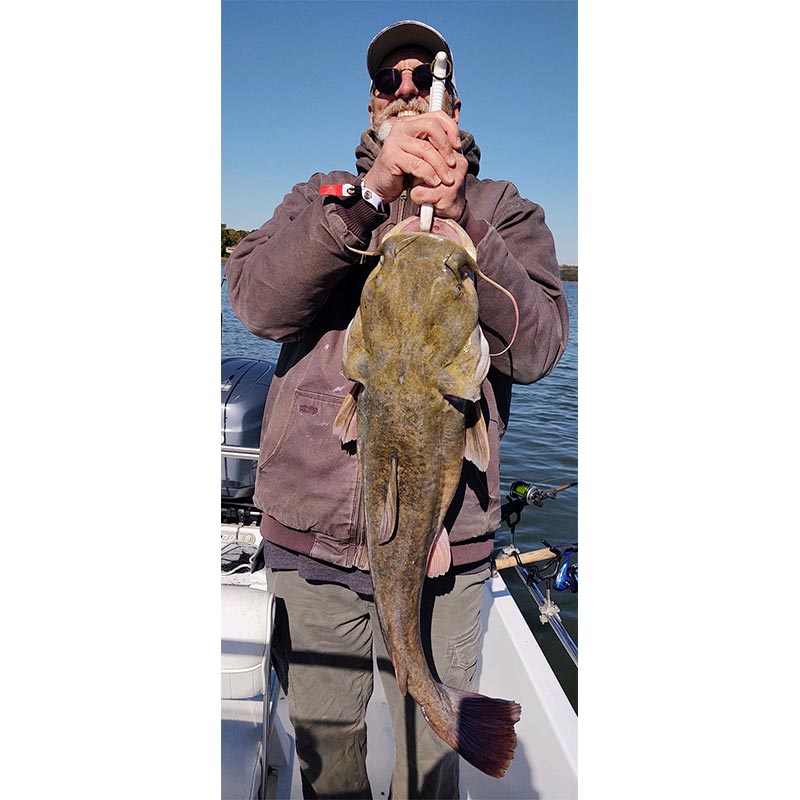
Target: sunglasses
x,y
387,81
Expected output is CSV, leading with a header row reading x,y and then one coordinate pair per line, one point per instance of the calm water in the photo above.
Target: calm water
x,y
540,446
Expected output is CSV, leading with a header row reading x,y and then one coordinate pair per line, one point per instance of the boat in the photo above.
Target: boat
x,y
258,755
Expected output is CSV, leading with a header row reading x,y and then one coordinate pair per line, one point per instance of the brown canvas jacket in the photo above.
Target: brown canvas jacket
x,y
294,281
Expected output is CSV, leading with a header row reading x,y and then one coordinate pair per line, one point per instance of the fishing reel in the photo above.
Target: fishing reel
x,y
558,573
530,495
523,494
566,577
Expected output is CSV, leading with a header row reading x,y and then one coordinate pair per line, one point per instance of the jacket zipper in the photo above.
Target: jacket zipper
x,y
403,197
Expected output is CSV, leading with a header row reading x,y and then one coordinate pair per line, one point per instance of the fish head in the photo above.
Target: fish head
x,y
421,296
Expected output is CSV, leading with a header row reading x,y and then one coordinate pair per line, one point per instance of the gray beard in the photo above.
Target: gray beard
x,y
382,134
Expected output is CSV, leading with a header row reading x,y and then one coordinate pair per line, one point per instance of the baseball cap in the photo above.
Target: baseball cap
x,y
406,32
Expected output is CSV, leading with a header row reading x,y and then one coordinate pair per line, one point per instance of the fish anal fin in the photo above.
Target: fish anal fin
x,y
389,517
476,441
439,557
345,426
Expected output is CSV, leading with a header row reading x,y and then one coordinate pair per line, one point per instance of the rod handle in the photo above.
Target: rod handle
x,y
435,103
542,554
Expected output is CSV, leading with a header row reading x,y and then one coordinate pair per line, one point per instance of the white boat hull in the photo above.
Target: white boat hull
x,y
512,666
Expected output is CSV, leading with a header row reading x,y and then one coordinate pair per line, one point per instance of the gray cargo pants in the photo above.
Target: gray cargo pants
x,y
323,645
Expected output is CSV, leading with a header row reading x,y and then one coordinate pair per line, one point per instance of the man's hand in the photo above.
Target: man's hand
x,y
447,201
423,147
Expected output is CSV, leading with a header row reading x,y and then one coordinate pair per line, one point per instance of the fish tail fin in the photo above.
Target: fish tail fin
x,y
482,729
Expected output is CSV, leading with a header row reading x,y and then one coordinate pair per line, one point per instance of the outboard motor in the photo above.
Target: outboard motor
x,y
245,383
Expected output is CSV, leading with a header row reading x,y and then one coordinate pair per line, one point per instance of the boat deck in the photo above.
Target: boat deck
x,y
511,665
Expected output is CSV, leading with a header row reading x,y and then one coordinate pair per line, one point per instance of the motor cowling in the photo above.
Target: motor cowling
x,y
245,383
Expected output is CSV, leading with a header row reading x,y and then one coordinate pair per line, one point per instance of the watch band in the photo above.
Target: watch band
x,y
372,198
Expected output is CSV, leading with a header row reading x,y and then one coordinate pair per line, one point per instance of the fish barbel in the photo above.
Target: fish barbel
x,y
417,353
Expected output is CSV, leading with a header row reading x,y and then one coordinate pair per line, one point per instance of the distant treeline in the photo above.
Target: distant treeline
x,y
568,273
230,238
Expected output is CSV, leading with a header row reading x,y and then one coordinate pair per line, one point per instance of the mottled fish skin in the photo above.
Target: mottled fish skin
x,y
414,342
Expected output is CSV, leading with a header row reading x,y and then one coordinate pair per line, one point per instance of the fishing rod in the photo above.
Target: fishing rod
x,y
559,573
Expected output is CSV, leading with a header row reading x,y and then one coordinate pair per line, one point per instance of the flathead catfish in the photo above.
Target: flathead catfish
x,y
417,353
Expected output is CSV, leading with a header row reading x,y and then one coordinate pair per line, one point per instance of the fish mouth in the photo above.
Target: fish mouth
x,y
442,228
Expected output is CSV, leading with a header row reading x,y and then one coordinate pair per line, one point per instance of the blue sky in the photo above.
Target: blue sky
x,y
295,93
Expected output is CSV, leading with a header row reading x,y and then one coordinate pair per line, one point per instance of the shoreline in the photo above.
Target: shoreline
x,y
569,274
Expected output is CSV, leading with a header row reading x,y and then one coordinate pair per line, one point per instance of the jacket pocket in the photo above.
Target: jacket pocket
x,y
309,481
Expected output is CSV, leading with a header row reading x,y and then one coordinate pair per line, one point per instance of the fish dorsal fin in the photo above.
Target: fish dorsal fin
x,y
389,518
476,441
345,426
439,557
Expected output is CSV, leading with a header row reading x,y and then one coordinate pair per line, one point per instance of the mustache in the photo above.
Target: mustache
x,y
383,120
417,104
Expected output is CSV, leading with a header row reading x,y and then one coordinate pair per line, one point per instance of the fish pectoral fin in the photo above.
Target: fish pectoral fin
x,y
355,359
389,517
439,557
345,426
459,403
484,359
476,440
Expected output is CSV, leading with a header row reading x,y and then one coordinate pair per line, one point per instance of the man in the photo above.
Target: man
x,y
297,281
